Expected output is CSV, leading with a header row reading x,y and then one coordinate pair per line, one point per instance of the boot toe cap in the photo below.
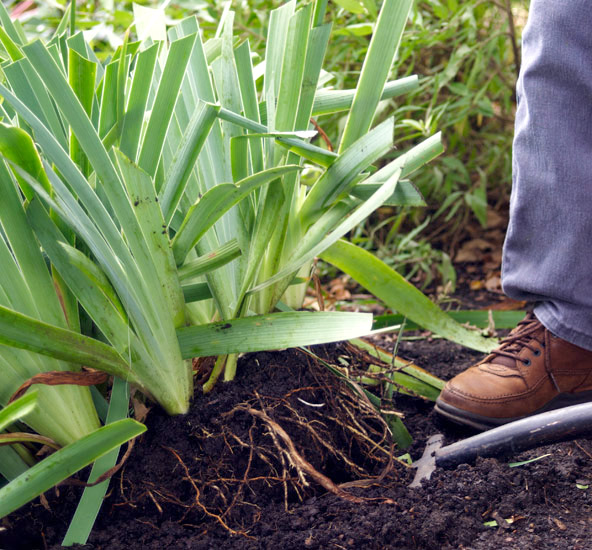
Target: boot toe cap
x,y
484,394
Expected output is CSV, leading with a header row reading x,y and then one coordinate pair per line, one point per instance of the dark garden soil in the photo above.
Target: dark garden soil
x,y
287,457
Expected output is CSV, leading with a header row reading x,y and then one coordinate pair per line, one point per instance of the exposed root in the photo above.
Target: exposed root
x,y
277,446
108,474
301,465
217,517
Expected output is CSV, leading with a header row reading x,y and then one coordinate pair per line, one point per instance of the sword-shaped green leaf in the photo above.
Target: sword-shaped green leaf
x,y
377,64
164,103
345,169
23,332
334,101
186,155
216,202
400,295
65,462
92,497
277,331
17,410
214,259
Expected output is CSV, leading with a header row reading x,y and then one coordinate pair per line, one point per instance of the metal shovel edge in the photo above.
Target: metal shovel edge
x,y
565,424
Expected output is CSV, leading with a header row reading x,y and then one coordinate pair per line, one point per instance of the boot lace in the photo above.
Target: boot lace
x,y
520,338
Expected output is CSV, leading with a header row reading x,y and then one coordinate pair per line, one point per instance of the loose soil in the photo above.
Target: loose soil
x,y
289,457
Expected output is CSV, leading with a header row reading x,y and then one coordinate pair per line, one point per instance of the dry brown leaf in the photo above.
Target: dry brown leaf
x,y
311,303
472,251
493,284
140,410
86,377
507,305
494,219
338,289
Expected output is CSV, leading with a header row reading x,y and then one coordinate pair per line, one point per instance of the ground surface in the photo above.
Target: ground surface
x,y
225,475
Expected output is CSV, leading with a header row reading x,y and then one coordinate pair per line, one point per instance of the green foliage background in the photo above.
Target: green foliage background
x,y
467,57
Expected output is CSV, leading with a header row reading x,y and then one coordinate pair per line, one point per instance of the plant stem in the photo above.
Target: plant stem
x,y
216,372
230,369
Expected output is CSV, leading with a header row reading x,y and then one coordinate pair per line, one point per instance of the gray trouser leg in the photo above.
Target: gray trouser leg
x,y
548,249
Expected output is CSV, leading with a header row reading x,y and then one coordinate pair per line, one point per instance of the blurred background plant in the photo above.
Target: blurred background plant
x,y
467,57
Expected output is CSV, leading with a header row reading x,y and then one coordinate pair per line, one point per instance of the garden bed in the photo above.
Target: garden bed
x,y
225,475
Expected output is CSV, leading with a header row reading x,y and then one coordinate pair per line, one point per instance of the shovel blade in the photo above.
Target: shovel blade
x,y
427,463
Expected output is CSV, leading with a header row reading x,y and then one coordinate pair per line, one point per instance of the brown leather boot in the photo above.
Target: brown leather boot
x,y
531,372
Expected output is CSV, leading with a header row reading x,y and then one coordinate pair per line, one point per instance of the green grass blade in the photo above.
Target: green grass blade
x,y
28,86
226,79
11,47
279,21
138,100
315,54
410,161
275,331
185,157
108,110
398,294
306,150
319,11
265,225
215,203
244,71
65,462
92,498
293,65
16,145
164,103
217,258
153,228
23,332
196,292
343,171
375,70
9,26
477,318
17,410
11,464
33,270
401,364
81,76
406,194
334,101
409,385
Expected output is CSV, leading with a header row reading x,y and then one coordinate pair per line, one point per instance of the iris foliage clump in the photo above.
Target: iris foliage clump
x,y
167,202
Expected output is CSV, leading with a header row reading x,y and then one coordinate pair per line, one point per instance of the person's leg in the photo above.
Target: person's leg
x,y
548,248
549,238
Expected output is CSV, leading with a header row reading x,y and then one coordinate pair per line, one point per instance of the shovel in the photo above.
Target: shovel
x,y
556,426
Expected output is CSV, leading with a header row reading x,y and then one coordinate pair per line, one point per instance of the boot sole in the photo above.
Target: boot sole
x,y
485,423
